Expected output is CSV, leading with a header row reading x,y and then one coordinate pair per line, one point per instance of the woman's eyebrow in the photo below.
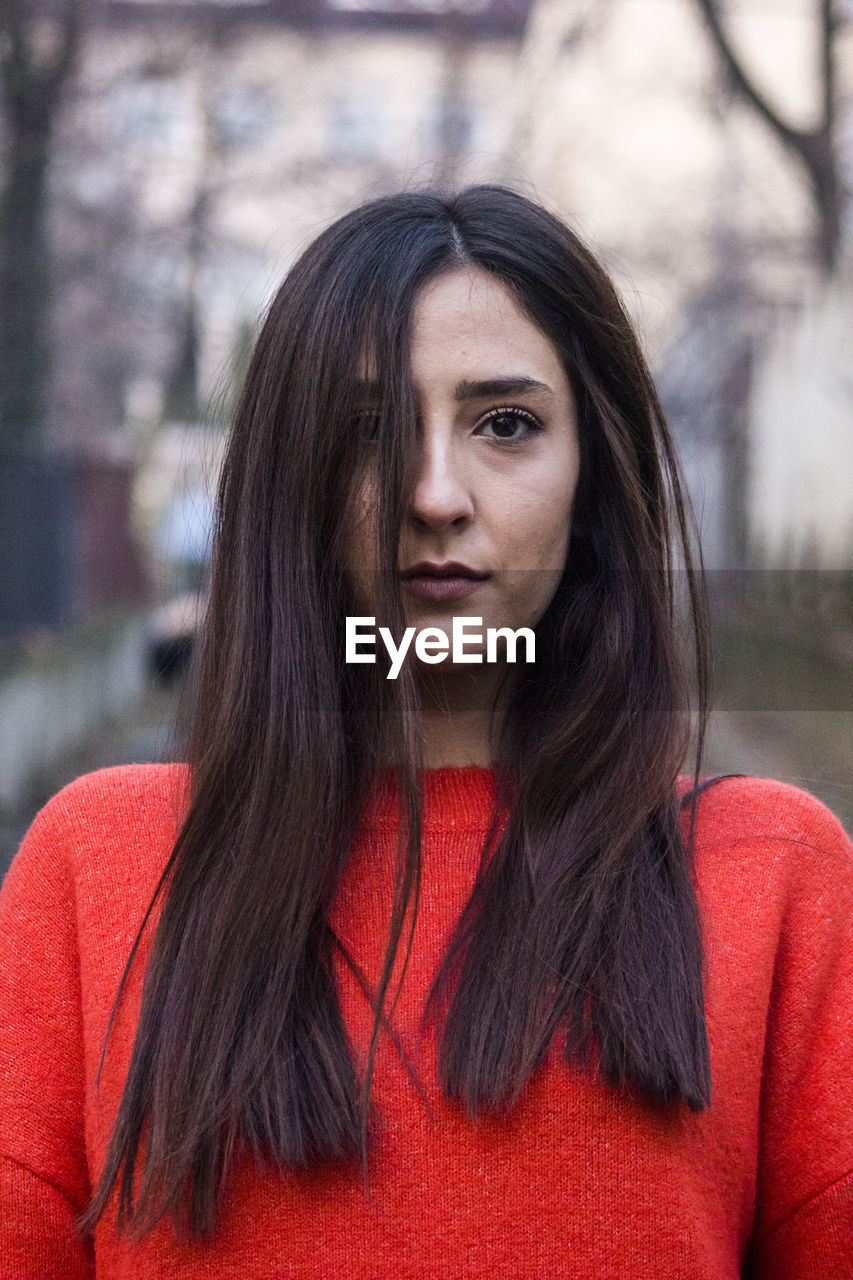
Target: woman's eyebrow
x,y
469,390
489,387
366,389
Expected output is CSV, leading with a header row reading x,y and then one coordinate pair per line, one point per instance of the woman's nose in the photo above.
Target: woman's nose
x,y
442,495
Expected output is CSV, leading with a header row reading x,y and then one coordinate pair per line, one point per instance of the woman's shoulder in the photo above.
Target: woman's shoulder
x,y
119,798
744,804
120,822
733,801
117,782
777,835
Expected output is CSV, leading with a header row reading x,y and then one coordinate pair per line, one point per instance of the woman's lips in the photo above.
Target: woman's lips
x,y
431,587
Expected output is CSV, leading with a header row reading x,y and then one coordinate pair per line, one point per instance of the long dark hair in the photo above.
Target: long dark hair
x,y
584,916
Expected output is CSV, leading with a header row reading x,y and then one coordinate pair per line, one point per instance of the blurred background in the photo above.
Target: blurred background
x,y
161,164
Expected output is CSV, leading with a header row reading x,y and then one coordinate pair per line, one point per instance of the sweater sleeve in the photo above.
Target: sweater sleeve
x,y
43,1173
804,1220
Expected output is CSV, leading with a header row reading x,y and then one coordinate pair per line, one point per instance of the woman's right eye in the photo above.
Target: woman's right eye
x,y
366,423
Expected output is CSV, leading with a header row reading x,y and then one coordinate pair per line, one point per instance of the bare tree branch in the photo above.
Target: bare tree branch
x,y
830,24
744,85
814,148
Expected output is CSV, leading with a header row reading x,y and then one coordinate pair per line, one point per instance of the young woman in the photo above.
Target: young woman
x,y
434,965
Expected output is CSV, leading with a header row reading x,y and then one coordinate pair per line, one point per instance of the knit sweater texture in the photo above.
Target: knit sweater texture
x,y
580,1181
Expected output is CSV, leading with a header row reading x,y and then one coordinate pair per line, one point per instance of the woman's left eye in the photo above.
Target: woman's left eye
x,y
505,424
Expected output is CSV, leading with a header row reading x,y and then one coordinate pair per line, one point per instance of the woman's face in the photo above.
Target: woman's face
x,y
497,470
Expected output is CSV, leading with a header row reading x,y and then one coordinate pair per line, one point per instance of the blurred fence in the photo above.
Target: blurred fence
x,y
66,547
73,608
53,701
37,498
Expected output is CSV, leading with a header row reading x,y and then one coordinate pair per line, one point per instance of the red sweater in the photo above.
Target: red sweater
x,y
578,1182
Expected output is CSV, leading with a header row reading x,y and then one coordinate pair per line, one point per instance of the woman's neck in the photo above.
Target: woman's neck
x,y
457,716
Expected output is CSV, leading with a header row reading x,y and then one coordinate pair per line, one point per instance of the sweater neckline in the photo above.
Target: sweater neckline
x,y
460,796
454,796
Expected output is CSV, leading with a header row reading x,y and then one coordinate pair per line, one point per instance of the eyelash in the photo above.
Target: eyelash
x,y
507,411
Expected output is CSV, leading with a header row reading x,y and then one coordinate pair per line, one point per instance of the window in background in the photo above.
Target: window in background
x,y
243,116
450,125
146,111
358,126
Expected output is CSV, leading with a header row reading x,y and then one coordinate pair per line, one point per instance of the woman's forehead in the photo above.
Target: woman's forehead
x,y
468,328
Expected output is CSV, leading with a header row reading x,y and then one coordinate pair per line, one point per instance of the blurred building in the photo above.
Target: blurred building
x,y
628,124
201,145
802,438
626,118
206,143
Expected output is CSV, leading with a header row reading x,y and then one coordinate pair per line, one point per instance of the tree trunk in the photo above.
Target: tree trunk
x,y
32,91
826,193
25,284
